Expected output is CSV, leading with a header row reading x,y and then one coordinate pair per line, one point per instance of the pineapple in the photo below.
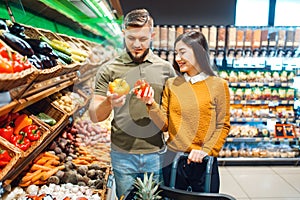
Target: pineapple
x,y
147,189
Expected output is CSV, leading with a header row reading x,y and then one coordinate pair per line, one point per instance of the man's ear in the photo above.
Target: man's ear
x,y
153,34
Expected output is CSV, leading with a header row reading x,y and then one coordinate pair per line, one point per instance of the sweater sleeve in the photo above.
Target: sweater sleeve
x,y
159,113
213,143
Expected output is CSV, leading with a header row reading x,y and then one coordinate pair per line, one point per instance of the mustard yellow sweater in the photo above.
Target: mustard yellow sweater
x,y
196,116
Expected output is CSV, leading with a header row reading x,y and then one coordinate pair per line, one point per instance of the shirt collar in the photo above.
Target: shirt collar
x,y
125,58
194,79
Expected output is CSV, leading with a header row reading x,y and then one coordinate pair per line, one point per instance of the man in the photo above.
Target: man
x,y
136,142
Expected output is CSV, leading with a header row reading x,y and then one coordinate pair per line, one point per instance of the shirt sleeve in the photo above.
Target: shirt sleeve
x,y
102,80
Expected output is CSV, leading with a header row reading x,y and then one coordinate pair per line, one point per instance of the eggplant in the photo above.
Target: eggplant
x,y
17,30
17,43
36,62
52,56
45,61
3,25
39,46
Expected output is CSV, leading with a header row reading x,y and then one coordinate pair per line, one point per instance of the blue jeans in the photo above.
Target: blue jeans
x,y
127,167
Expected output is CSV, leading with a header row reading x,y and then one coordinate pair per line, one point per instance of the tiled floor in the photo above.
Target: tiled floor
x,y
261,182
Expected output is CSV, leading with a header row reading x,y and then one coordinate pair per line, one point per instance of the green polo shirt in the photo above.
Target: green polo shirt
x,y
132,129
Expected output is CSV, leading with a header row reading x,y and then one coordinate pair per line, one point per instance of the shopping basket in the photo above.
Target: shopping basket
x,y
171,193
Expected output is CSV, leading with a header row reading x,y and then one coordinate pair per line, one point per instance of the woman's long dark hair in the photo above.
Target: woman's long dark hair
x,y
196,40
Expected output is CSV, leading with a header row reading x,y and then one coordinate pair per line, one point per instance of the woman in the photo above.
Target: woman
x,y
194,111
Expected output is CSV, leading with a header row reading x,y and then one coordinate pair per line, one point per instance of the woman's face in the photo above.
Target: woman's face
x,y
185,59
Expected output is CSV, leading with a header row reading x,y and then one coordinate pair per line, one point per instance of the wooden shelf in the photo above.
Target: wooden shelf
x,y
9,107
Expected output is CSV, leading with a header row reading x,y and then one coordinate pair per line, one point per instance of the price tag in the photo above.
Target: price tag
x,y
252,84
266,139
234,84
243,84
258,139
256,119
275,63
238,63
271,84
260,84
229,139
243,102
284,102
258,102
284,84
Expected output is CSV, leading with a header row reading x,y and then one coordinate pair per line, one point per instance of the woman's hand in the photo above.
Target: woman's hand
x,y
146,95
196,156
116,100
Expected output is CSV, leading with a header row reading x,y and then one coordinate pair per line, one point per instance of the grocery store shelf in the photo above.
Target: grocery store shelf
x,y
261,139
264,102
259,84
22,163
23,103
258,161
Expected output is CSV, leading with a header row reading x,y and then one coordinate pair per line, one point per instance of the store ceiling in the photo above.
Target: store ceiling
x,y
174,12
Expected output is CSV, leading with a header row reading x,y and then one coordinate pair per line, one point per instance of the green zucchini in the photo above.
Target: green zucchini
x,y
67,59
46,119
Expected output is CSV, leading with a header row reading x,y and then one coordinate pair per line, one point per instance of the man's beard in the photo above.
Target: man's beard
x,y
138,59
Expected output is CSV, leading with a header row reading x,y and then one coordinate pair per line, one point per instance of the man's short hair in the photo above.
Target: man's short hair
x,y
138,18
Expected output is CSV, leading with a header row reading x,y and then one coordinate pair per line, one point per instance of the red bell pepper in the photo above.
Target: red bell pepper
x,y
32,132
3,163
7,132
21,141
4,155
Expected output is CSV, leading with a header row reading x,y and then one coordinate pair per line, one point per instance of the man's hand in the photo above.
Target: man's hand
x,y
115,99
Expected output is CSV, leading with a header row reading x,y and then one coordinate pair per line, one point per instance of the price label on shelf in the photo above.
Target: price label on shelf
x,y
275,63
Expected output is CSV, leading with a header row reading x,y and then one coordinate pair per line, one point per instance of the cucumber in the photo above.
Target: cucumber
x,y
67,59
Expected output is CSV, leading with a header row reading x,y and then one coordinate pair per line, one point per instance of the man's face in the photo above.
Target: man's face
x,y
137,41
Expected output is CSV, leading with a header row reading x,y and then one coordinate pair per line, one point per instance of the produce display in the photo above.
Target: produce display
x,y
20,130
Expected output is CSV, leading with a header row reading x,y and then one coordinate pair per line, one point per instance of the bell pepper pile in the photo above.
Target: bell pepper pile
x,y
11,62
4,158
19,130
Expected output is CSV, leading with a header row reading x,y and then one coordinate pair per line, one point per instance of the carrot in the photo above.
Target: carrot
x,y
29,176
38,182
51,162
43,160
38,157
37,177
25,184
51,172
51,155
41,167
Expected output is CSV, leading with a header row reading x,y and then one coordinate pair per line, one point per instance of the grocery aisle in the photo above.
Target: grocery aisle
x,y
261,182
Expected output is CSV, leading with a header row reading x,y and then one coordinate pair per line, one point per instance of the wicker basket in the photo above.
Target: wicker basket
x,y
48,34
67,113
45,106
66,69
43,74
45,133
13,151
13,80
46,74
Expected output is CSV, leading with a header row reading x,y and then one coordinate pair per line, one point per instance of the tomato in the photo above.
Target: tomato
x,y
119,86
26,64
140,84
17,67
5,67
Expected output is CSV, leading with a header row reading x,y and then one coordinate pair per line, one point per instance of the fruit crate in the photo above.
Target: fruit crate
x,y
13,151
10,81
45,106
43,74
